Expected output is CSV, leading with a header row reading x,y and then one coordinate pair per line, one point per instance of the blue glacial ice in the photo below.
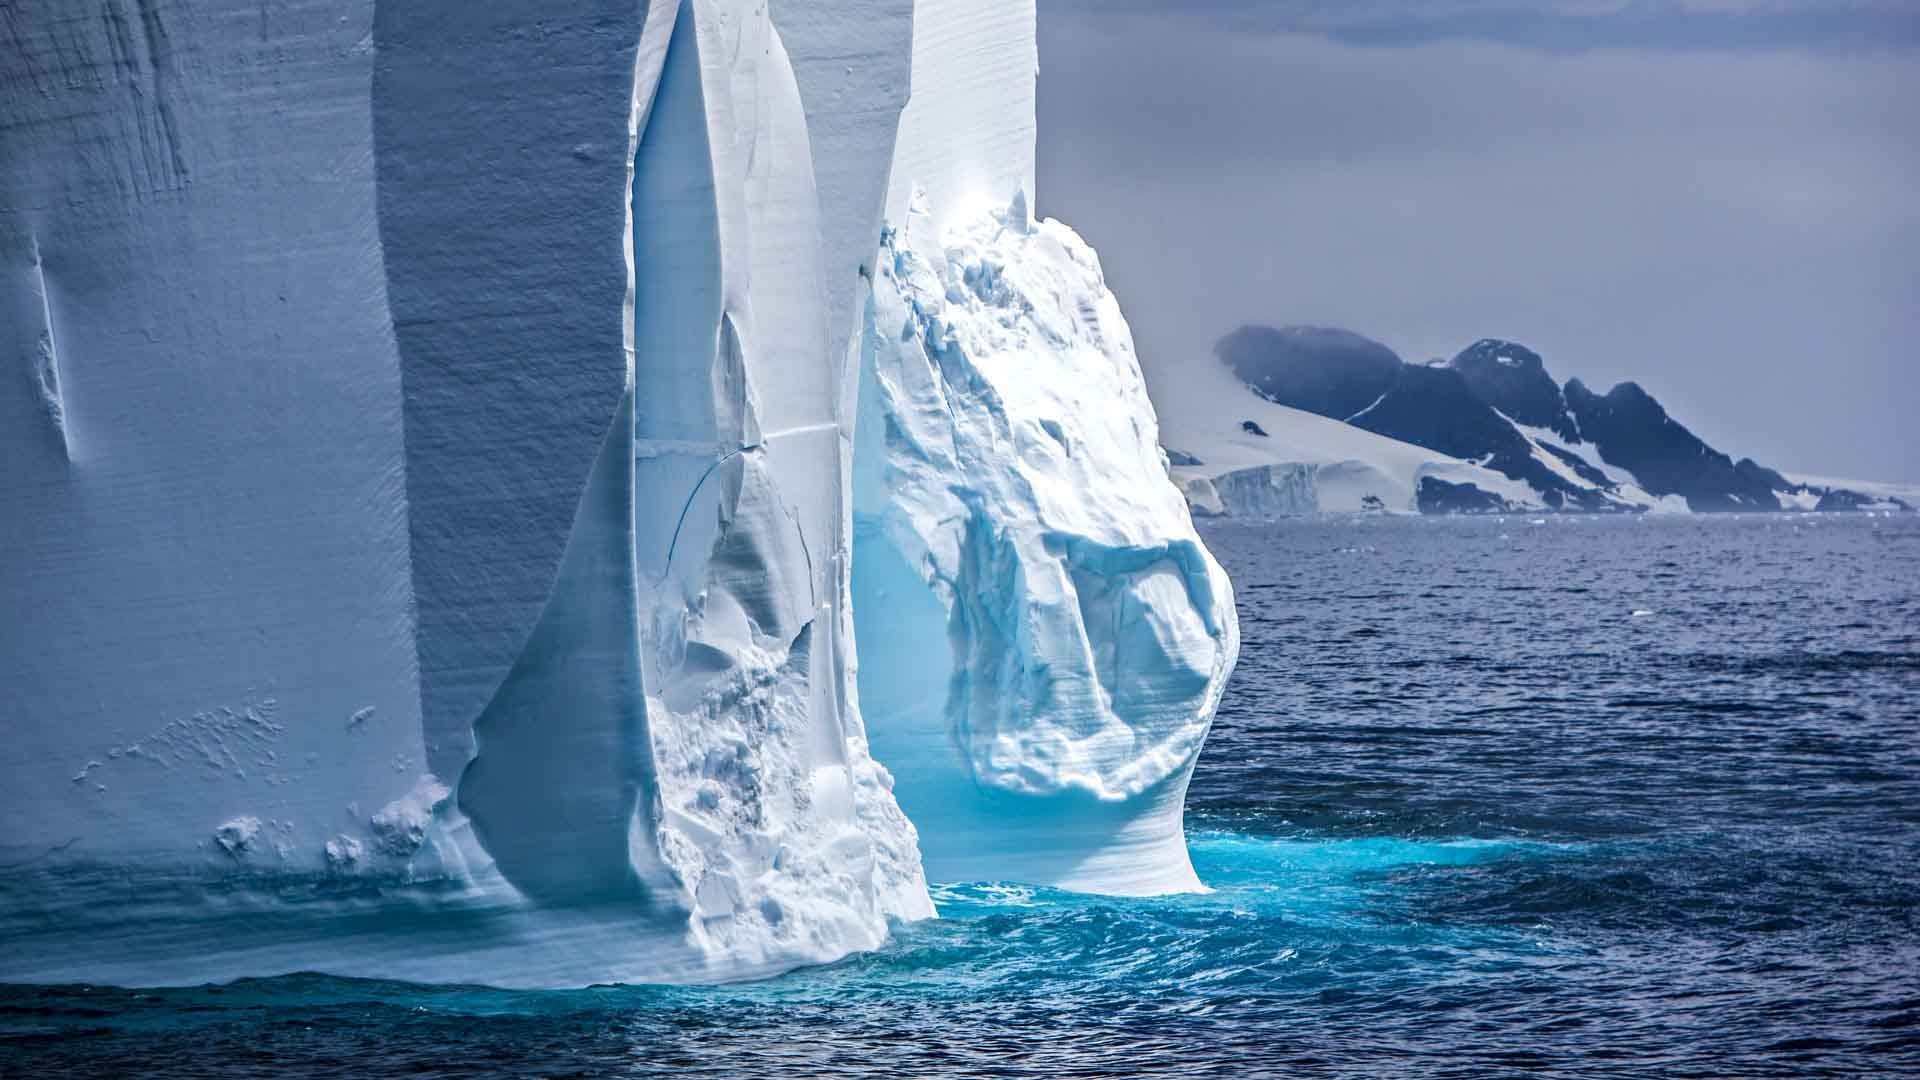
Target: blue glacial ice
x,y
433,453
1043,635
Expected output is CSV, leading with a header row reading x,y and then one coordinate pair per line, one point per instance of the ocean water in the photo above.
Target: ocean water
x,y
1533,797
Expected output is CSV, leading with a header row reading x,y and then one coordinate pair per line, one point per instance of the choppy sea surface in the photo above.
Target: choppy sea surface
x,y
1541,797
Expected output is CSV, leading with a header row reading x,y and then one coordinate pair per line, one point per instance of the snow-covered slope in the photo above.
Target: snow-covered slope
x,y
1236,454
1358,424
1875,495
427,526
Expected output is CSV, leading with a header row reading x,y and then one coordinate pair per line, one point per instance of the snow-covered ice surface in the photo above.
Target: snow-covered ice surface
x,y
1291,462
1296,462
1043,635
1626,492
428,516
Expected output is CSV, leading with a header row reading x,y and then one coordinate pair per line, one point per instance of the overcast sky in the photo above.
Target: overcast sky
x,y
1717,198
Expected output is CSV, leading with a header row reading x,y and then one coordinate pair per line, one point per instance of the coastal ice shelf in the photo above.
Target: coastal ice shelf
x,y
451,467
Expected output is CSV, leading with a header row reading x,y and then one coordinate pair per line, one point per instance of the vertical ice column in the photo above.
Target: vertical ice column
x,y
773,816
967,135
852,65
500,211
1043,637
502,161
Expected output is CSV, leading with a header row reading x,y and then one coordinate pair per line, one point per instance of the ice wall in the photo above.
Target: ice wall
x,y
425,520
967,135
427,536
204,564
774,817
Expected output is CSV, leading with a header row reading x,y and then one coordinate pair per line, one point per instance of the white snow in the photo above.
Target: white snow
x,y
237,837
1306,463
343,853
1803,501
1374,404
1626,490
400,827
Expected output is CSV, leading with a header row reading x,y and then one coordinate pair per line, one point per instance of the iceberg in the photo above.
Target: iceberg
x,y
1043,635
433,458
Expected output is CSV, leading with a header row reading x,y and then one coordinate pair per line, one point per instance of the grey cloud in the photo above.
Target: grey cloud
x,y
1734,229
1562,26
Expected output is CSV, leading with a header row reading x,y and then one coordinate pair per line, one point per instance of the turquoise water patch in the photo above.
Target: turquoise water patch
x,y
1498,834
1280,913
1228,859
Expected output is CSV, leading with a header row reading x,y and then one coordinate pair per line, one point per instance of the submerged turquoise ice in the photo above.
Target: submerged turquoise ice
x,y
1507,828
1007,973
433,472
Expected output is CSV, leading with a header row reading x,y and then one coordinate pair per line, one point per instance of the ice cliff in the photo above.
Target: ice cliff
x,y
1042,629
428,542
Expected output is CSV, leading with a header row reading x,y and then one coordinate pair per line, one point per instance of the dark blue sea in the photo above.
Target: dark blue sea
x,y
1531,797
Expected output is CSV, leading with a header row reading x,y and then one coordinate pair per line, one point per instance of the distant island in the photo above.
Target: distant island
x,y
1488,431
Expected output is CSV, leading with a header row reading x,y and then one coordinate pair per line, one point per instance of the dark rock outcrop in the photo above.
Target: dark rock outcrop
x,y
1632,431
1331,372
1434,407
1437,496
1494,404
1513,379
1347,377
1838,500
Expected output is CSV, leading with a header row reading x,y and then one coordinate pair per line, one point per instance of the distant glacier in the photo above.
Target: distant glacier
x,y
1307,419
